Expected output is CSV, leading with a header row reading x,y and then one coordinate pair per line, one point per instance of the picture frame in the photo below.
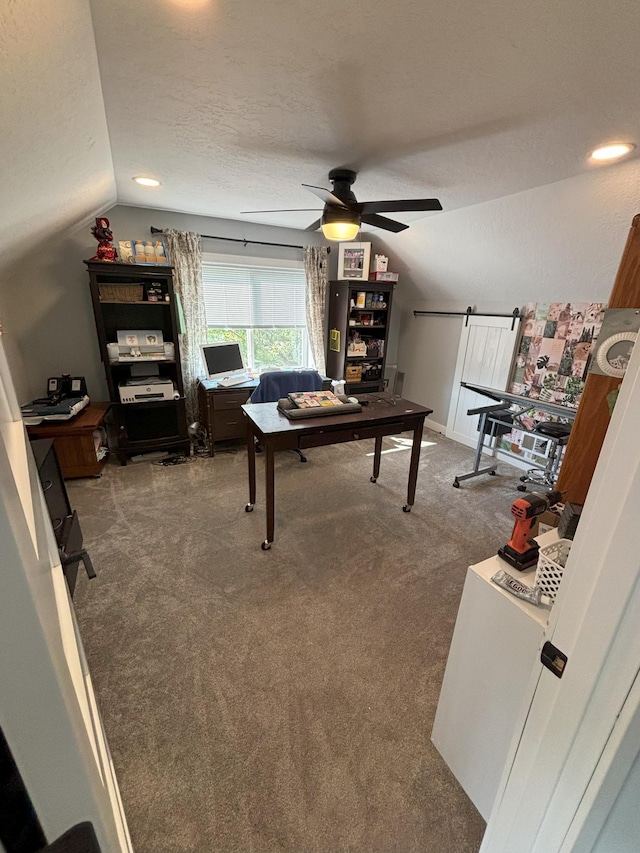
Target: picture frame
x,y
125,251
354,260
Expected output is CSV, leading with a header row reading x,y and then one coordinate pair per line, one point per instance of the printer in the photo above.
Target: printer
x,y
145,385
146,389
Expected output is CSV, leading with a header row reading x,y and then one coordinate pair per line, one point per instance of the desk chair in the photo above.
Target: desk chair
x,y
547,476
275,384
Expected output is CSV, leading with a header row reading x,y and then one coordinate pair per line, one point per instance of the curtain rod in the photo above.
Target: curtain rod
x,y
469,313
242,240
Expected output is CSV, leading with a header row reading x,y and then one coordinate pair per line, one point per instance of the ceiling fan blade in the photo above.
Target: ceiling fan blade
x,y
326,196
383,222
396,206
284,210
314,225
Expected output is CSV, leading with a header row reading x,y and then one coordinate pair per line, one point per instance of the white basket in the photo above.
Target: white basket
x,y
551,562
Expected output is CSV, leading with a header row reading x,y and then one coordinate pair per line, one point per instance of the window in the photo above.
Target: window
x,y
261,304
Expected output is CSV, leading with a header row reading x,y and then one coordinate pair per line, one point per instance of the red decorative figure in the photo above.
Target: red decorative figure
x,y
104,236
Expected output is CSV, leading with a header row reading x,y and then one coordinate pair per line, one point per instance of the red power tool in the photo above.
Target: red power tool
x,y
520,551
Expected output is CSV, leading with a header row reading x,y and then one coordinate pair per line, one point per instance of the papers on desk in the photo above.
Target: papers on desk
x,y
293,413
314,399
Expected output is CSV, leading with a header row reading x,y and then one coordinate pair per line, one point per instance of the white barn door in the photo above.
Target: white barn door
x,y
485,355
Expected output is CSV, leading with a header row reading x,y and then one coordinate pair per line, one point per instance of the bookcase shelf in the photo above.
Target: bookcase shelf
x,y
142,426
342,311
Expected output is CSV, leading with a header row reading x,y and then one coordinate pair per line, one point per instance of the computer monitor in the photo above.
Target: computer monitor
x,y
223,360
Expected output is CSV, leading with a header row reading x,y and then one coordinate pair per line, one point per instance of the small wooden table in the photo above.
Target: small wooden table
x,y
385,414
74,441
220,410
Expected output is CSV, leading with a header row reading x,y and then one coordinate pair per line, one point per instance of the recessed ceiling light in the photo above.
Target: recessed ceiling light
x,y
146,182
612,151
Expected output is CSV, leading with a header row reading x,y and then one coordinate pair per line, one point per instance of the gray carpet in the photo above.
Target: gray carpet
x,y
283,700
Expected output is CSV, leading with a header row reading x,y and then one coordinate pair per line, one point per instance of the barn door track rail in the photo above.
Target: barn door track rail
x,y
468,313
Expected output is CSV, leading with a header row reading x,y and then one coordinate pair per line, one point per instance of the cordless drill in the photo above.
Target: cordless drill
x,y
520,551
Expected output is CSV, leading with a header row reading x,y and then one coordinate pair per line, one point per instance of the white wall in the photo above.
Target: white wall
x,y
134,223
620,831
56,173
562,242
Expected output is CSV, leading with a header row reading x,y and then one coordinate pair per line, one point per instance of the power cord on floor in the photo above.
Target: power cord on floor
x,y
169,461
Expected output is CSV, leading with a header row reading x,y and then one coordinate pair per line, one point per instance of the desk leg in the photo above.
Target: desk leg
x,y
477,470
376,459
270,495
251,457
413,467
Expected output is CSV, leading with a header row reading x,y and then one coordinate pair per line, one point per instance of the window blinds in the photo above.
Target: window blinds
x,y
242,296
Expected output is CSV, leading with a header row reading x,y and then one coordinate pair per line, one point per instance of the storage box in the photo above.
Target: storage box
x,y
370,372
353,373
357,348
551,562
120,292
379,275
569,520
546,521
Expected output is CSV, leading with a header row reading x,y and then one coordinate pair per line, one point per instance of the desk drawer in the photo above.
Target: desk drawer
x,y
230,400
55,493
337,436
229,424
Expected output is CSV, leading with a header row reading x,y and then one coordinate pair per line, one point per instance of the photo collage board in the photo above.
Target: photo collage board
x,y
552,363
553,357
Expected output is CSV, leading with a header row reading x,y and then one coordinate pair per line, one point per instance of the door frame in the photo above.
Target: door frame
x,y
570,729
48,711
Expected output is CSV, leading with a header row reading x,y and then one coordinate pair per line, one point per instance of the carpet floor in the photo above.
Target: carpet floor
x,y
283,700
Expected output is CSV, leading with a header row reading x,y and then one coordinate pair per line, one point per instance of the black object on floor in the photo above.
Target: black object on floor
x,y
20,830
81,838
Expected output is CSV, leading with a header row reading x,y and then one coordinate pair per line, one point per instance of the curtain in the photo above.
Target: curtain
x,y
185,254
315,268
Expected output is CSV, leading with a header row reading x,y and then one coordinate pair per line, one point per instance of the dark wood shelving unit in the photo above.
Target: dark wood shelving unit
x,y
145,426
342,311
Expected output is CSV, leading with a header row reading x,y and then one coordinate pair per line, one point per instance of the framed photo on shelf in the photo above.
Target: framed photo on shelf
x,y
353,261
125,251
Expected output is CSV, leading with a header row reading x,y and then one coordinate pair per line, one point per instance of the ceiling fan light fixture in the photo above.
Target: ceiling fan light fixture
x,y
611,151
339,224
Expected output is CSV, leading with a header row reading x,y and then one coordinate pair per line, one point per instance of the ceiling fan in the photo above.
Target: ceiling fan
x,y
343,213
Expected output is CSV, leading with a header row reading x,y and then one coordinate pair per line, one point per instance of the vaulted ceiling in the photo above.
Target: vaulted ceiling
x,y
233,104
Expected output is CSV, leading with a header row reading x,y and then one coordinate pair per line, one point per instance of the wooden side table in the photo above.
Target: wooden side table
x,y
221,412
74,441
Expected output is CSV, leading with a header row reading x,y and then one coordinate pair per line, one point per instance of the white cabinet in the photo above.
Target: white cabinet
x,y
496,642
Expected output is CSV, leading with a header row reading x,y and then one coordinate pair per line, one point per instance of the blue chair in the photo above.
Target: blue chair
x,y
276,384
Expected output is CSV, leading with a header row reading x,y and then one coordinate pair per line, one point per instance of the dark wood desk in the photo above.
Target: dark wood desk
x,y
385,414
220,410
74,441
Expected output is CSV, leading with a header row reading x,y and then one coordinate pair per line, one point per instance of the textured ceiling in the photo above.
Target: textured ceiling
x,y
233,104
